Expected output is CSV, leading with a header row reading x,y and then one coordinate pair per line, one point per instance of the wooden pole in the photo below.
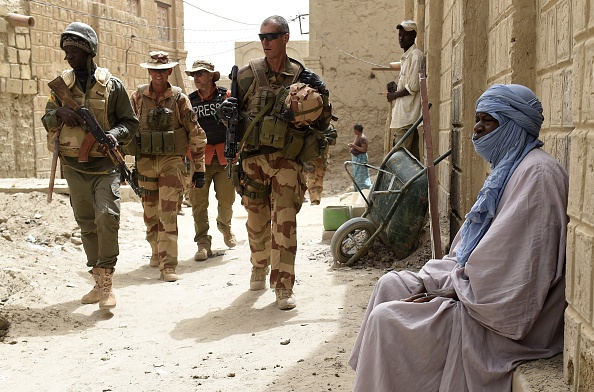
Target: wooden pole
x,y
433,208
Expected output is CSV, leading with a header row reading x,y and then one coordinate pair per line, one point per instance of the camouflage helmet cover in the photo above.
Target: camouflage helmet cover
x,y
81,31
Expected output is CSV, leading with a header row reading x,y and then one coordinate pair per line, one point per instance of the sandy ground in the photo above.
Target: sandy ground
x,y
206,332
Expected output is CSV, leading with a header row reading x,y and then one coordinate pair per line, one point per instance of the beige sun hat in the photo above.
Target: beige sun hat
x,y
159,60
203,65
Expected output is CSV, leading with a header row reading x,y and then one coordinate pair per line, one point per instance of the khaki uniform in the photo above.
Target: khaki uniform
x,y
315,177
94,185
274,186
162,174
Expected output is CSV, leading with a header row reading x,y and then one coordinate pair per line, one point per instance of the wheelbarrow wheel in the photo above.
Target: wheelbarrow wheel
x,y
350,237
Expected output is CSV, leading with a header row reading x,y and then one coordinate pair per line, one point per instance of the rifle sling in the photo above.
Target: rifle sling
x,y
254,122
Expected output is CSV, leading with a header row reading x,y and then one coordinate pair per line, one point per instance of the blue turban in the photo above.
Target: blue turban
x,y
519,113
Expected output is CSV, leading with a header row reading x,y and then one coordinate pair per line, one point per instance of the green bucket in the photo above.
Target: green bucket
x,y
334,216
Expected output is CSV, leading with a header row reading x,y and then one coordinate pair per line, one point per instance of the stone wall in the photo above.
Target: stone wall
x,y
30,57
17,90
347,39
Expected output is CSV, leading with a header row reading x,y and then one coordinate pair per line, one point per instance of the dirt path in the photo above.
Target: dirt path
x,y
206,332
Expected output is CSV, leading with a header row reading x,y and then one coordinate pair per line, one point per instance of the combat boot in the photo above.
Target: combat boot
x,y
258,278
154,256
108,299
168,274
154,260
203,253
93,296
285,299
229,237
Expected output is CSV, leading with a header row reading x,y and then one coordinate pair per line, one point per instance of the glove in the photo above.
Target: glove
x,y
311,79
198,179
227,108
391,87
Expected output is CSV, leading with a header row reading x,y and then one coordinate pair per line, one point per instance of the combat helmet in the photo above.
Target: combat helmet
x,y
84,32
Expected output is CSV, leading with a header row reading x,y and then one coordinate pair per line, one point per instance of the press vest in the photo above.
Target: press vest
x,y
161,131
215,131
71,138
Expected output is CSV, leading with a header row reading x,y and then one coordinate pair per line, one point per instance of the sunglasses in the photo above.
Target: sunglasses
x,y
196,74
271,36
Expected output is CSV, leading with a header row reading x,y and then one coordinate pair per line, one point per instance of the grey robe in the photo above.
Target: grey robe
x,y
511,299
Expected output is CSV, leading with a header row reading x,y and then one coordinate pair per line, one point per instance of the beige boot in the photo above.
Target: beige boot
x,y
168,274
154,256
285,299
108,299
203,253
258,278
93,296
229,237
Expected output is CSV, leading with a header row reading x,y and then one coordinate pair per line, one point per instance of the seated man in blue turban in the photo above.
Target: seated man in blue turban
x,y
464,322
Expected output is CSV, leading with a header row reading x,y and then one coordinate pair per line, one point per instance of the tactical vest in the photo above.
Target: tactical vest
x,y
161,131
71,138
215,131
264,130
264,100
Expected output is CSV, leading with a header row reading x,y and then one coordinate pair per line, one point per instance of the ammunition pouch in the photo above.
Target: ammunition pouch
x,y
164,143
314,145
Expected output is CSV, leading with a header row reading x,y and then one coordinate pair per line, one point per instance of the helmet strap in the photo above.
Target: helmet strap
x,y
89,77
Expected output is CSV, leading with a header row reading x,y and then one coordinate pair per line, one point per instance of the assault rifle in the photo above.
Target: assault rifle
x,y
232,123
95,133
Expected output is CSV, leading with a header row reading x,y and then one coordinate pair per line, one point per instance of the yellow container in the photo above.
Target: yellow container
x,y
334,216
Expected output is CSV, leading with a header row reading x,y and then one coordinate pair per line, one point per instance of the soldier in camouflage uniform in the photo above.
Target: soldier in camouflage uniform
x,y
271,180
93,181
168,125
315,171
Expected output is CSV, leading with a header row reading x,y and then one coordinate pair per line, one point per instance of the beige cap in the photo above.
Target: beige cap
x,y
159,60
407,25
203,65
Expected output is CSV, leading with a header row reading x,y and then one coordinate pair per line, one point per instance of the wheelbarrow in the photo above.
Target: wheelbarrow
x,y
395,211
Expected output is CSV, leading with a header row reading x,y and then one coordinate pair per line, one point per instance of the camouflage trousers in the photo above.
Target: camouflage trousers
x,y
225,194
315,179
95,201
272,220
162,179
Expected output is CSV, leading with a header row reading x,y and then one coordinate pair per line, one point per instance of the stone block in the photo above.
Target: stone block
x,y
556,104
11,38
583,267
4,70
20,42
11,55
3,25
25,71
571,344
578,18
2,85
585,371
14,86
545,99
15,71
563,31
540,375
24,56
570,262
30,87
566,117
577,165
588,181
